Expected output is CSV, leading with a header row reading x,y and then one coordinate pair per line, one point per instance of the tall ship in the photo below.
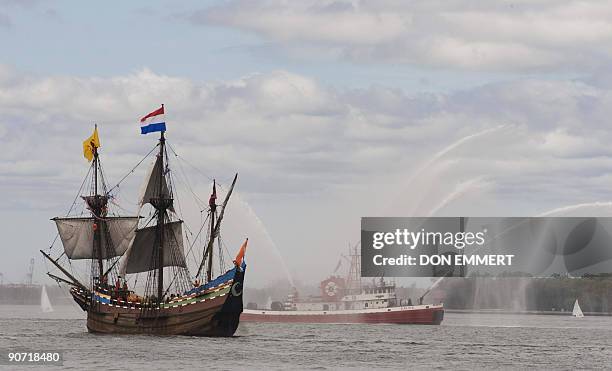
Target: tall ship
x,y
137,276
350,300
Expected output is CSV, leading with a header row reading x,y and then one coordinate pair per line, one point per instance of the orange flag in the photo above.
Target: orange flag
x,y
240,255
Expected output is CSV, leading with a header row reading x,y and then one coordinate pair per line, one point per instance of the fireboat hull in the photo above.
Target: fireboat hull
x,y
215,312
415,315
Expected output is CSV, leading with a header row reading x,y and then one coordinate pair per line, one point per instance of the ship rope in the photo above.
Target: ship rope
x,y
219,184
190,251
184,180
126,211
181,279
132,170
72,206
178,202
175,179
203,205
221,247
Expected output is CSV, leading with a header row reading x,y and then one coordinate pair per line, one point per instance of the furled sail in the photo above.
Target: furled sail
x,y
140,255
151,190
77,235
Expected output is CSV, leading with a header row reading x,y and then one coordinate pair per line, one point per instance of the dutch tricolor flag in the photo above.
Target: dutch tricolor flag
x,y
154,121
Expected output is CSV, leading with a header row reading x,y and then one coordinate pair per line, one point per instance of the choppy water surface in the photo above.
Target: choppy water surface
x,y
464,341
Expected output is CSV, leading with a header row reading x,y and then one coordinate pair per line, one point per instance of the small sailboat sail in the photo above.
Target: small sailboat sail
x,y
577,312
45,303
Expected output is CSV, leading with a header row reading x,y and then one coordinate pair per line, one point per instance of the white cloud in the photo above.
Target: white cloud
x,y
566,35
312,157
304,136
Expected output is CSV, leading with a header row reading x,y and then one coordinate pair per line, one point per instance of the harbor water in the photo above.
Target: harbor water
x,y
463,341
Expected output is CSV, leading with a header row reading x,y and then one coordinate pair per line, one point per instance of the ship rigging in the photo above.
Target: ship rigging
x,y
119,248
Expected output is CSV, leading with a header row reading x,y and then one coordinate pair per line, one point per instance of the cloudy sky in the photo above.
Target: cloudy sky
x,y
329,110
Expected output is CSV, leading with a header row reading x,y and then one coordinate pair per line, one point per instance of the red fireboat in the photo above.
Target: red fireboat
x,y
348,300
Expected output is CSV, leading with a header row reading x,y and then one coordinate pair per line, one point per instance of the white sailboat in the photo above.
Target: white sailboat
x,y
45,303
577,312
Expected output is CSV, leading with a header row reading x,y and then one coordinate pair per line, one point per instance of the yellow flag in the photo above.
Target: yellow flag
x,y
90,144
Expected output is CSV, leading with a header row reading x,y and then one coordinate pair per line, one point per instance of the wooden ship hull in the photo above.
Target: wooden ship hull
x,y
418,314
212,311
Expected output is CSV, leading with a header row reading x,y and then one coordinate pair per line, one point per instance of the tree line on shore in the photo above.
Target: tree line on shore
x,y
555,293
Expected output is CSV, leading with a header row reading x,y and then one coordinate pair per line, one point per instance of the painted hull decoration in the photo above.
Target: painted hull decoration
x,y
346,299
120,250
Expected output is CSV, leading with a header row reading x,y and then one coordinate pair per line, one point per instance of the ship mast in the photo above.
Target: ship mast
x,y
213,210
214,230
161,212
96,211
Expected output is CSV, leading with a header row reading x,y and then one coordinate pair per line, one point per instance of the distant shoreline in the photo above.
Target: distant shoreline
x,y
529,312
29,294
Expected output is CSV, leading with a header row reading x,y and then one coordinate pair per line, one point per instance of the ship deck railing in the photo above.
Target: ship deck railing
x,y
109,297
